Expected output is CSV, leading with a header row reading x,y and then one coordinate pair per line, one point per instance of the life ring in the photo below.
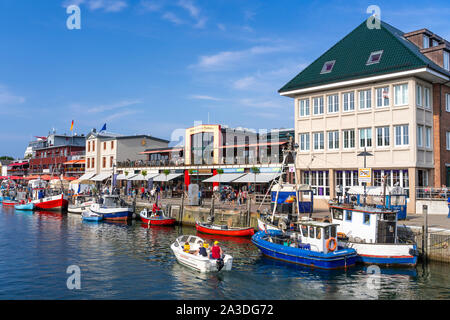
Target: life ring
x,y
334,244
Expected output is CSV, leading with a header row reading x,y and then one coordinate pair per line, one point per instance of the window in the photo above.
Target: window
x,y
435,43
428,137
365,138
420,136
318,141
111,160
318,233
333,140
448,140
326,233
447,102
348,138
419,95
349,101
383,137
327,67
319,182
333,103
87,163
92,163
401,135
104,162
365,99
112,145
304,141
104,145
318,105
426,42
89,146
348,215
366,218
374,57
337,214
446,61
311,232
303,108
382,97
305,230
401,94
93,146
426,96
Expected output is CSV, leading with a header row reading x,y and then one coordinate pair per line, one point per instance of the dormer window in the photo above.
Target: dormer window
x,y
327,67
374,57
426,41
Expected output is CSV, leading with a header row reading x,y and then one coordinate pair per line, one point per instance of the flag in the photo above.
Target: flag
x,y
71,126
104,127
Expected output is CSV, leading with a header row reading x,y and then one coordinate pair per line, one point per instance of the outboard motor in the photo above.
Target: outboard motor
x,y
220,264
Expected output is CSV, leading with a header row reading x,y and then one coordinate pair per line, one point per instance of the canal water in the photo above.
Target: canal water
x,y
132,261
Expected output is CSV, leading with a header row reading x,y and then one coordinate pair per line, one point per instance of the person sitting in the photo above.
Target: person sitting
x,y
155,208
202,250
216,251
187,247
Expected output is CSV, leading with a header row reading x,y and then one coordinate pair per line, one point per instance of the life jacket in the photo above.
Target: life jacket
x,y
187,248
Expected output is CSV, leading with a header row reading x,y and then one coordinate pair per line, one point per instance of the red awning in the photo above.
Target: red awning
x,y
16,178
17,164
74,162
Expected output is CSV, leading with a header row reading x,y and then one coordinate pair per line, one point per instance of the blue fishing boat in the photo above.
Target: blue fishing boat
x,y
111,207
25,206
91,216
315,245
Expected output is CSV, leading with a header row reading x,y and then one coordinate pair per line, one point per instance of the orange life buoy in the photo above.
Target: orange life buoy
x,y
334,244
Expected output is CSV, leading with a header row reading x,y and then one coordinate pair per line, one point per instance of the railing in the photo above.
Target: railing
x,y
149,163
432,193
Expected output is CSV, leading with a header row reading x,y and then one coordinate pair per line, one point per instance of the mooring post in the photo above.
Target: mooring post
x,y
425,233
248,209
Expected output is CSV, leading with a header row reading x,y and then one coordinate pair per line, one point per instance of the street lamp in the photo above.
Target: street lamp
x,y
365,154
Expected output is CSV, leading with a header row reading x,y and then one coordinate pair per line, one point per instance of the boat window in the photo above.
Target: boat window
x,y
326,233
333,231
319,233
366,218
348,215
337,214
184,238
311,232
305,231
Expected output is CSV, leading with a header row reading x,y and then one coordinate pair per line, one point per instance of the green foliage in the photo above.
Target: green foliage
x,y
166,172
255,170
6,158
144,172
126,173
219,171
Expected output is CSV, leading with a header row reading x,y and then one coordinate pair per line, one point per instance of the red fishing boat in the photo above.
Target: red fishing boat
x,y
224,230
52,203
158,218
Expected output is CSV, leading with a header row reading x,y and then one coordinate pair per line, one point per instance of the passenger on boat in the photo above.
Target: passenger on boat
x,y
187,247
202,250
216,251
155,208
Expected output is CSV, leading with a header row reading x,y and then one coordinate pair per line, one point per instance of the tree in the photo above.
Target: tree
x,y
6,158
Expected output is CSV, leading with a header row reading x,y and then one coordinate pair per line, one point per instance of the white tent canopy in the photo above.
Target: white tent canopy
x,y
257,177
224,177
170,176
101,177
141,177
86,176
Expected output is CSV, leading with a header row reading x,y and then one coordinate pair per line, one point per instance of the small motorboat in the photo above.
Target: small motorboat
x,y
82,203
112,208
224,230
9,203
157,218
25,206
198,262
91,216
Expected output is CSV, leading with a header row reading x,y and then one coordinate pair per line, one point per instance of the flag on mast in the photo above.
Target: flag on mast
x,y
71,126
104,127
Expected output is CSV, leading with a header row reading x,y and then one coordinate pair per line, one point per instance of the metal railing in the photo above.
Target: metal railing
x,y
432,193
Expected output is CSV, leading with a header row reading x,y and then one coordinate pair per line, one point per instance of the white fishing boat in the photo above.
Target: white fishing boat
x,y
111,207
196,261
82,203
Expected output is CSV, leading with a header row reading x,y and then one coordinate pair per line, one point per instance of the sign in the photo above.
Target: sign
x,y
365,175
233,170
291,168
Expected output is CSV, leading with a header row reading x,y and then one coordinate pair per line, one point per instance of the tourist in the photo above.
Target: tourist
x,y
142,193
216,251
202,250
187,247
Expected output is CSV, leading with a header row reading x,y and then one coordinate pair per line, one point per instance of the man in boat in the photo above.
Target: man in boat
x,y
216,251
202,250
155,208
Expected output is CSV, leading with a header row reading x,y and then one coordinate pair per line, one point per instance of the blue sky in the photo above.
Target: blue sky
x,y
152,66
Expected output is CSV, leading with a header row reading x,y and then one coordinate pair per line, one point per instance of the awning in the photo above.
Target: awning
x,y
257,177
140,177
122,176
17,164
86,176
75,162
224,177
170,176
101,177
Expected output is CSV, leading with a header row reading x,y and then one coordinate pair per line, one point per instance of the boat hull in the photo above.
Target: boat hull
x,y
9,203
56,203
200,264
339,259
241,232
27,206
389,255
159,222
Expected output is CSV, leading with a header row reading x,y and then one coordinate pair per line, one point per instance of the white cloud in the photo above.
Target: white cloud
x,y
172,17
7,98
203,97
244,83
105,5
76,107
121,114
194,12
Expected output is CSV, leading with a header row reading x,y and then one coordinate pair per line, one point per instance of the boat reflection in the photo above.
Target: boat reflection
x,y
211,237
50,215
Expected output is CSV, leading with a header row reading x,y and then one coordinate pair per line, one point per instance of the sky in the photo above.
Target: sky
x,y
157,66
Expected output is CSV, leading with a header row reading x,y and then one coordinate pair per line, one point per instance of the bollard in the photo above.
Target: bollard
x,y
425,233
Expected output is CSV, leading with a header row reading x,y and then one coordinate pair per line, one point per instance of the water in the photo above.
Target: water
x,y
131,261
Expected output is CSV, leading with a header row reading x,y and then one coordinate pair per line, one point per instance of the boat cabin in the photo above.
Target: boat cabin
x,y
284,195
365,224
112,201
194,242
314,235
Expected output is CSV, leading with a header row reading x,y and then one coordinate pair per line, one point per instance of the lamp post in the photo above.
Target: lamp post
x,y
365,154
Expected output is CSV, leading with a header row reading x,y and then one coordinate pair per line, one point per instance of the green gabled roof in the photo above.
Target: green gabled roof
x,y
353,51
